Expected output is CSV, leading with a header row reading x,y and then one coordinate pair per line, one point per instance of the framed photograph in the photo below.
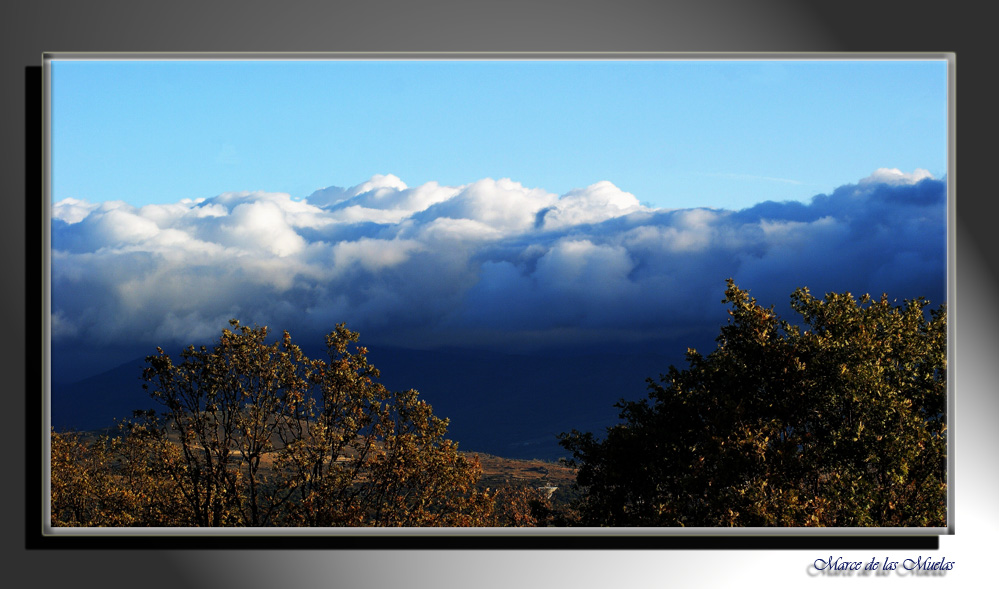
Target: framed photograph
x,y
516,300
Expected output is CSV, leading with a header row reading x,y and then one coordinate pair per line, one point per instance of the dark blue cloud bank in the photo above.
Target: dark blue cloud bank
x,y
491,265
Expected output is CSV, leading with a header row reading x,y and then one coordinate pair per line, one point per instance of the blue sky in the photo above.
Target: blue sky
x,y
512,206
675,134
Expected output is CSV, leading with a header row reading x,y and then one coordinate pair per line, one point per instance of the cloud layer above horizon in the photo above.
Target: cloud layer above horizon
x,y
492,263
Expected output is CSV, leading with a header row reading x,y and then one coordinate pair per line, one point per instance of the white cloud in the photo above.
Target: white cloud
x,y
360,214
490,257
378,185
62,327
261,224
595,203
503,204
119,226
896,177
373,254
458,230
579,264
72,210
383,199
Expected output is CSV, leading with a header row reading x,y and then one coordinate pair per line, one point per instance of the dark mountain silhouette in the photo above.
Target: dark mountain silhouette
x,y
502,404
515,405
97,401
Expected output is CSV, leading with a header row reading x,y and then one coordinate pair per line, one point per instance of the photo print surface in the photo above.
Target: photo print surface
x,y
453,293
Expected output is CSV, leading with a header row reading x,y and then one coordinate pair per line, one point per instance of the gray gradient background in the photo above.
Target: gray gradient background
x,y
29,28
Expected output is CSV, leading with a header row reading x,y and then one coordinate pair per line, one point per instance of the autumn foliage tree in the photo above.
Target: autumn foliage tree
x,y
255,433
838,421
354,453
114,480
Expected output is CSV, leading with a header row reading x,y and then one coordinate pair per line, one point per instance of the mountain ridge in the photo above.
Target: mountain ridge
x,y
509,405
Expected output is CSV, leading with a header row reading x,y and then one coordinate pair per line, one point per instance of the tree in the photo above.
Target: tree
x,y
520,506
357,454
113,480
267,436
840,421
223,407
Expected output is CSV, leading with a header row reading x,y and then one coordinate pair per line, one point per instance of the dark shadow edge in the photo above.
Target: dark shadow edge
x,y
33,293
522,542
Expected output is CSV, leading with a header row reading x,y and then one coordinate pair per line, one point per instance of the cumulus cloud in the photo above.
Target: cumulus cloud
x,y
895,177
485,263
373,254
72,210
592,204
261,227
503,204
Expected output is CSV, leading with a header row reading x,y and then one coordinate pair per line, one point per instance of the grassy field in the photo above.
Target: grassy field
x,y
497,472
